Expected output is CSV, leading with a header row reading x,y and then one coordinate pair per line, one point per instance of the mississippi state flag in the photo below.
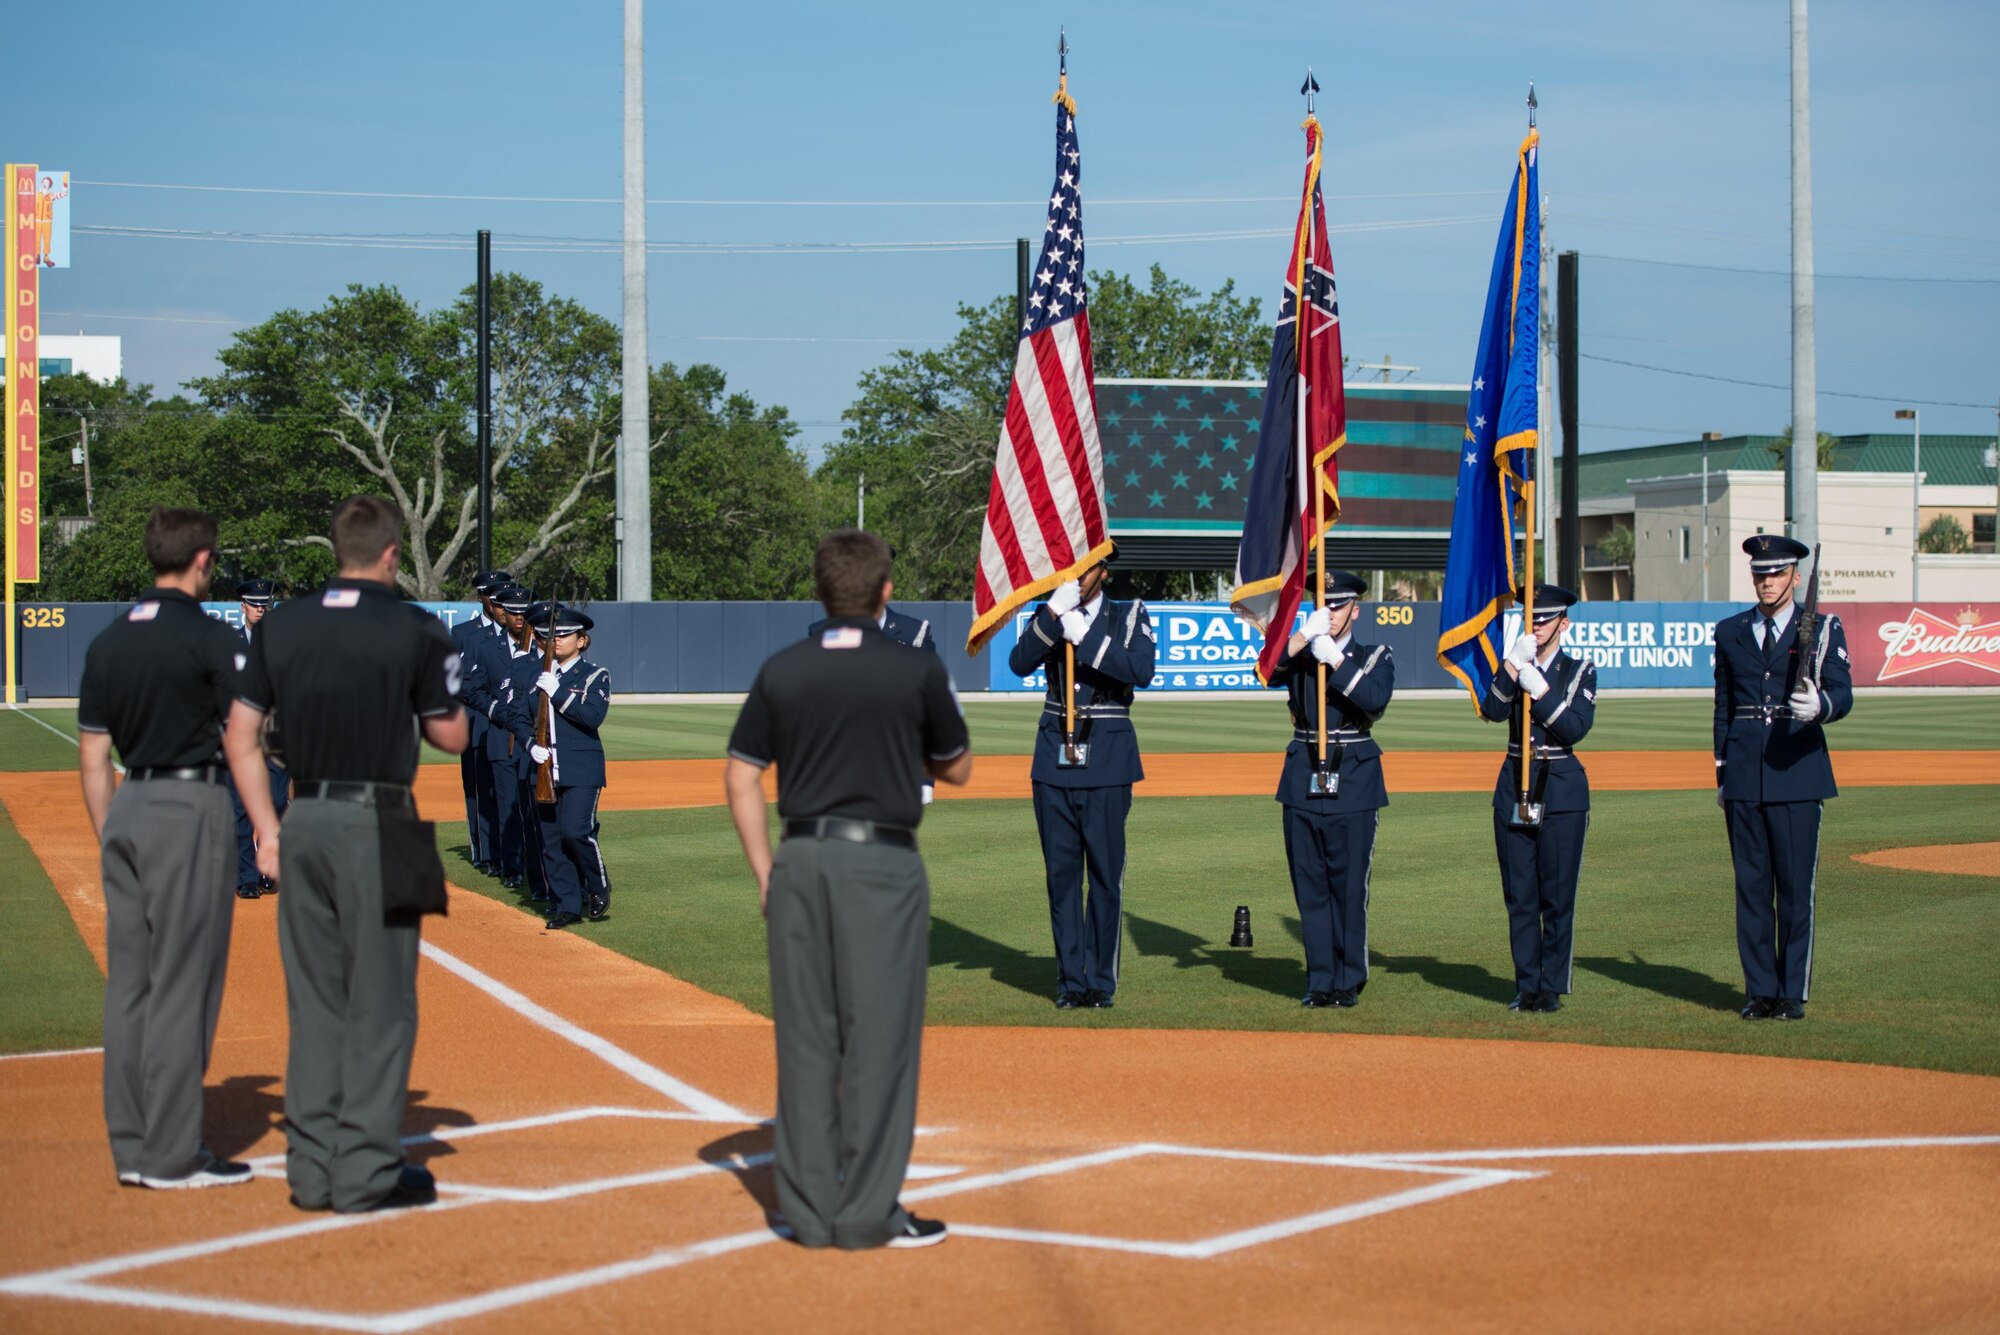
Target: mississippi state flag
x,y
1305,424
1045,520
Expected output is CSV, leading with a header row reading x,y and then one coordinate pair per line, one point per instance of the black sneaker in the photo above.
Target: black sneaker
x,y
414,1186
919,1233
209,1171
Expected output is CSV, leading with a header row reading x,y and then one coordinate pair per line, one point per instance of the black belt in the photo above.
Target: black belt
x,y
388,796
1332,734
191,773
1762,713
1090,711
853,831
1542,752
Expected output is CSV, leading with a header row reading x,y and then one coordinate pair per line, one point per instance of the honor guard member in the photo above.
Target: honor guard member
x,y
1541,853
157,684
489,688
358,675
255,596
1083,786
903,629
474,773
1773,774
578,693
853,721
1332,807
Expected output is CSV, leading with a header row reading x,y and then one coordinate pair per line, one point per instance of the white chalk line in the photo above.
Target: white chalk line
x,y
61,1052
41,722
647,1074
75,1281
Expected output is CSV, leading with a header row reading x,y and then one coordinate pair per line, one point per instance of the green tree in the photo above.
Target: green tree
x,y
1781,448
1944,536
924,425
1616,547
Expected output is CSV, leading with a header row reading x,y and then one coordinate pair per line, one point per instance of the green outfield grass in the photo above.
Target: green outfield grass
x,y
1001,728
51,994
1904,970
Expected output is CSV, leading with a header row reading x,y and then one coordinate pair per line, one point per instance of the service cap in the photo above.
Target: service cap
x,y
1770,552
555,618
1551,601
1343,587
513,598
256,592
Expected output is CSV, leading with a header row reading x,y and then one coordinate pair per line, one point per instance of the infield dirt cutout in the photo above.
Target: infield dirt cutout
x,y
596,1129
1956,859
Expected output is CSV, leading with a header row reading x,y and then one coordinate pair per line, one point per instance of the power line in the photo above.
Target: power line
x,y
1766,384
1770,217
1786,273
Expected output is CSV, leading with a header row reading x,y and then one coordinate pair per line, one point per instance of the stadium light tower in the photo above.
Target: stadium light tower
x,y
634,473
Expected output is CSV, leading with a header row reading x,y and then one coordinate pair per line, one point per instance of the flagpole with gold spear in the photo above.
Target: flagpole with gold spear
x,y
1525,815
1063,99
1302,333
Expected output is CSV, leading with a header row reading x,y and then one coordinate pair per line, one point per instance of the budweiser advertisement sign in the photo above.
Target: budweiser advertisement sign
x,y
1923,645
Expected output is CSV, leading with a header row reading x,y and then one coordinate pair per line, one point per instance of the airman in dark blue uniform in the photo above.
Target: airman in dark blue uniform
x,y
475,770
1541,850
579,696
1773,774
1331,810
498,671
256,597
1083,793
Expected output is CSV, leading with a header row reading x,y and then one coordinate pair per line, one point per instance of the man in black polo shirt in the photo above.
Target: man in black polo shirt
x,y
854,722
355,672
157,684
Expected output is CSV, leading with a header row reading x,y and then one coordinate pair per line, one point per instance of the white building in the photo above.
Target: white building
x,y
99,356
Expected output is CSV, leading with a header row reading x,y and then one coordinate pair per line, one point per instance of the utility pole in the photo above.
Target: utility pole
x,y
1569,561
484,306
89,506
1706,437
1802,478
861,501
634,472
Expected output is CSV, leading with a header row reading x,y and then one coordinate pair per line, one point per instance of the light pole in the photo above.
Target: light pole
x,y
1706,437
1916,422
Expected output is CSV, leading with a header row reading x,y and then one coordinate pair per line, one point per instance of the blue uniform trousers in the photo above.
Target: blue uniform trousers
x,y
534,848
1775,846
575,864
246,838
1084,829
482,809
1332,857
509,822
1539,867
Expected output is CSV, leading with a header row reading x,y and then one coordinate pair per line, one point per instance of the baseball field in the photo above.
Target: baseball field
x,y
1207,1153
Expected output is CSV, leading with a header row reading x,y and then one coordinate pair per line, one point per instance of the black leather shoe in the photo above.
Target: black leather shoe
x,y
266,886
559,920
1547,1003
1758,1008
1523,1001
511,881
599,910
1346,996
248,890
1068,1001
1096,1000
1788,1010
414,1186
1313,1001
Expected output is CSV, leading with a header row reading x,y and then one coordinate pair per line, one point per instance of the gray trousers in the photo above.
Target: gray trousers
x,y
169,861
351,995
849,934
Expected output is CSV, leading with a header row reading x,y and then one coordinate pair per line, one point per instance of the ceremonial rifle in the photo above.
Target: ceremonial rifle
x,y
545,777
1811,626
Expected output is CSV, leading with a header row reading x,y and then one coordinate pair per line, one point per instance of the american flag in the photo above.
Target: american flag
x,y
1305,414
1045,516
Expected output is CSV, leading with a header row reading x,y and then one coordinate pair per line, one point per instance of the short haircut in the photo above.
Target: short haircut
x,y
364,527
849,570
175,537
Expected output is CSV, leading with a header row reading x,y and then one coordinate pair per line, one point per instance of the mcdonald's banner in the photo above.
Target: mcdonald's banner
x,y
27,240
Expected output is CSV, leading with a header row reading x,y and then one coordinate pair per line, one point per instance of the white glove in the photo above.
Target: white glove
x,y
1074,626
548,683
1533,682
1521,653
1804,703
1325,651
1318,624
1067,598
539,754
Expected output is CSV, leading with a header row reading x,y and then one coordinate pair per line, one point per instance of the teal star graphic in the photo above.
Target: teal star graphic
x,y
1230,443
1157,459
1204,460
1180,440
1134,439
1114,417
1159,420
1229,405
1135,398
1208,391
1131,479
1180,481
1229,482
1204,501
1111,458
1257,393
1110,499
1181,403
1207,423
1156,501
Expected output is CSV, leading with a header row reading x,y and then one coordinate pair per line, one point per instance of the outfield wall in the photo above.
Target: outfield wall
x,y
700,648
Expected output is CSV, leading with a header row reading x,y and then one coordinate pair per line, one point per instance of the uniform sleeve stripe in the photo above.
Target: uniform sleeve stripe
x,y
951,755
748,760
1102,645
1036,626
1569,697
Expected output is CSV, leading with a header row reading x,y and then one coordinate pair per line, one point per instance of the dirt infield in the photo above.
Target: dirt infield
x,y
645,785
596,1127
1957,859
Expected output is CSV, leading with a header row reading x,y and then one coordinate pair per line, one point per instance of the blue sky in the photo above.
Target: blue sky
x,y
1665,141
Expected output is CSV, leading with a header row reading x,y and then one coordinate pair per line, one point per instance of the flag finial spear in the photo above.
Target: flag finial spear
x,y
1532,104
1308,88
1062,51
